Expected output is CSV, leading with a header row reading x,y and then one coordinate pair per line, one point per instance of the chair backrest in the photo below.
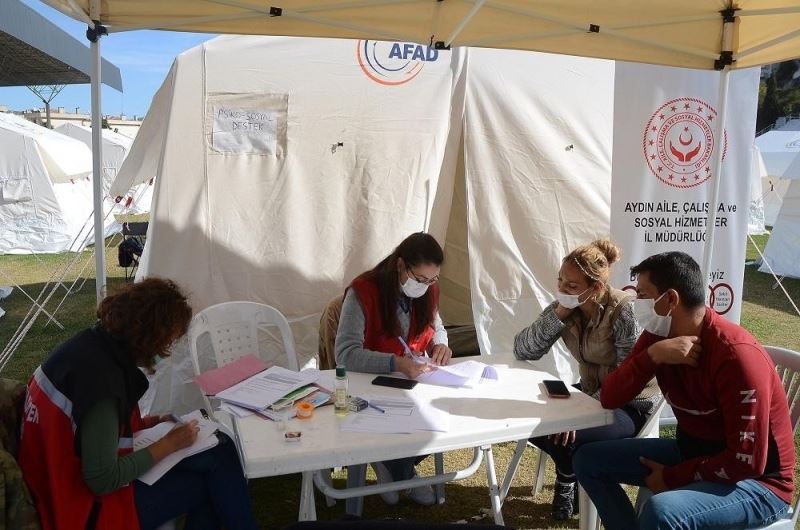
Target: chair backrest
x,y
328,327
233,329
651,427
787,363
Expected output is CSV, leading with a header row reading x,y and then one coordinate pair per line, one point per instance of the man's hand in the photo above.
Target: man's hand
x,y
655,480
441,354
677,350
564,438
410,368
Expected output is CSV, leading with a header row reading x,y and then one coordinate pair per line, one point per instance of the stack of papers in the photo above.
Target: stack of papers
x,y
263,389
466,374
206,439
401,415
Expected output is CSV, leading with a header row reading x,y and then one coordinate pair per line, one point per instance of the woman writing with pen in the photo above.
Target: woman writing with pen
x,y
389,315
76,450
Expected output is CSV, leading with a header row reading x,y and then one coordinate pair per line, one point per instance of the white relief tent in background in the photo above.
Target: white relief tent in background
x,y
115,148
45,189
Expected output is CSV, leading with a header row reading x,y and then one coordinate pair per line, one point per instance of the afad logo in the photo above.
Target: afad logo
x,y
393,63
678,142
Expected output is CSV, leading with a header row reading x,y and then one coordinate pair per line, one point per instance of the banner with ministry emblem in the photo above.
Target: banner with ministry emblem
x,y
665,138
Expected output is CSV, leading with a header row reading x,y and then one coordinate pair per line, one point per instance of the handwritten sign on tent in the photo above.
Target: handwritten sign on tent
x,y
247,124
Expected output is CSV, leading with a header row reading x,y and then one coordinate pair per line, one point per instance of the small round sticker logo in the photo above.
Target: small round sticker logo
x,y
721,299
679,142
393,63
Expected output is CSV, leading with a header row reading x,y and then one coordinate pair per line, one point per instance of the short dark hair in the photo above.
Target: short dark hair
x,y
147,316
675,270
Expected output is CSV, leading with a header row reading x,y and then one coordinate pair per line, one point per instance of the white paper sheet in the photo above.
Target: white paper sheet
x,y
400,415
206,439
465,374
267,387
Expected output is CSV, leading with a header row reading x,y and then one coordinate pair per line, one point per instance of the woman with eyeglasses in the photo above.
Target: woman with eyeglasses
x,y
394,303
598,327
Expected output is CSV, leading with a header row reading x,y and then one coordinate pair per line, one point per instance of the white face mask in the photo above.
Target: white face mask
x,y
414,289
570,301
645,312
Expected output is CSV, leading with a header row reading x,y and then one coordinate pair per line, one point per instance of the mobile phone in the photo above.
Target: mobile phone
x,y
394,382
556,388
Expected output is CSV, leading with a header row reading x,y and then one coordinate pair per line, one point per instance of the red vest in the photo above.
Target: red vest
x,y
52,469
374,337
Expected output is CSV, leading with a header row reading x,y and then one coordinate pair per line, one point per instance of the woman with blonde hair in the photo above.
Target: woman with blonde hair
x,y
597,324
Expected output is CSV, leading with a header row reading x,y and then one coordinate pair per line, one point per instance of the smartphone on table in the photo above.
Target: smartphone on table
x,y
394,382
556,388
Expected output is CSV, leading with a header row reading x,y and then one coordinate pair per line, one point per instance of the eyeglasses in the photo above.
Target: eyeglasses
x,y
423,279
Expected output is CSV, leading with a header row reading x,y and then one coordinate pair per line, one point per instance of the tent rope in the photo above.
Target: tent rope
x,y
777,280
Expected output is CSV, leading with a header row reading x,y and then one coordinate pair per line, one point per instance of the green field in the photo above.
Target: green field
x,y
765,312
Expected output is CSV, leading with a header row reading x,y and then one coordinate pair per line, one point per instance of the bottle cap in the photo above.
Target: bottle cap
x,y
340,371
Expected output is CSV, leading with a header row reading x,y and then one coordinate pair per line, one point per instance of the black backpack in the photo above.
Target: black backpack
x,y
129,251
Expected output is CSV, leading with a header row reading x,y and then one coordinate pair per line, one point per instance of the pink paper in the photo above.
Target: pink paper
x,y
215,381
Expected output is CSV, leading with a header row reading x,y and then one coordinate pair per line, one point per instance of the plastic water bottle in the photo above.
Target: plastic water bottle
x,y
340,392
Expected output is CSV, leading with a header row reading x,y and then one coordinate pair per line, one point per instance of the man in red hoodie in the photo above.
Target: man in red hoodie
x,y
731,464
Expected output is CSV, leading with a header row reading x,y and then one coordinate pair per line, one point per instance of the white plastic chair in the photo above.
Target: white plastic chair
x,y
233,328
787,363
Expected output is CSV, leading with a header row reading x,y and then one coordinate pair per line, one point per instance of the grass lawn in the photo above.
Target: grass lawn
x,y
765,312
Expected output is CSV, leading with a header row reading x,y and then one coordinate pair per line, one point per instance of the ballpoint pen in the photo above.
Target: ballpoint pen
x,y
376,408
408,353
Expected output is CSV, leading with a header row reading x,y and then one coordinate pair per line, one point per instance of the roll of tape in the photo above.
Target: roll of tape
x,y
304,410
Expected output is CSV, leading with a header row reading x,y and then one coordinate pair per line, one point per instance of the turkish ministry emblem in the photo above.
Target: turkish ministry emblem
x,y
679,142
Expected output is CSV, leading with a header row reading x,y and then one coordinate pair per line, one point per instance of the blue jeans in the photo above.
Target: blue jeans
x,y
209,487
602,466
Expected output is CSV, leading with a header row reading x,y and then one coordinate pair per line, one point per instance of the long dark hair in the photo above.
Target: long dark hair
x,y
147,316
417,249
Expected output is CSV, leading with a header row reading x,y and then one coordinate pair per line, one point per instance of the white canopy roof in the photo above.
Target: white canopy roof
x,y
683,33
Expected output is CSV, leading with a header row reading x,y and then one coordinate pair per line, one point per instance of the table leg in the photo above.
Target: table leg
x,y
438,460
356,477
494,489
512,468
308,508
588,518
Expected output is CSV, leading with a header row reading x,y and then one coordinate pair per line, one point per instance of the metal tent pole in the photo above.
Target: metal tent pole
x,y
94,33
723,63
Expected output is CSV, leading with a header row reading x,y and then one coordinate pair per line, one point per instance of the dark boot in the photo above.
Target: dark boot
x,y
564,502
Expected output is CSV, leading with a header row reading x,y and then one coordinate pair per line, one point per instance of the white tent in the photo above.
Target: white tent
x,y
756,220
780,151
243,217
783,248
115,148
45,188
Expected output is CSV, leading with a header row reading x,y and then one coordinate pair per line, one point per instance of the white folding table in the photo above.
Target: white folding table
x,y
512,409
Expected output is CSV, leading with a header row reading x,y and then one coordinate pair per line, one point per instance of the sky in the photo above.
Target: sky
x,y
143,57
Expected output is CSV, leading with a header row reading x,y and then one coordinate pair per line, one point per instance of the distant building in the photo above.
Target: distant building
x,y
58,116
